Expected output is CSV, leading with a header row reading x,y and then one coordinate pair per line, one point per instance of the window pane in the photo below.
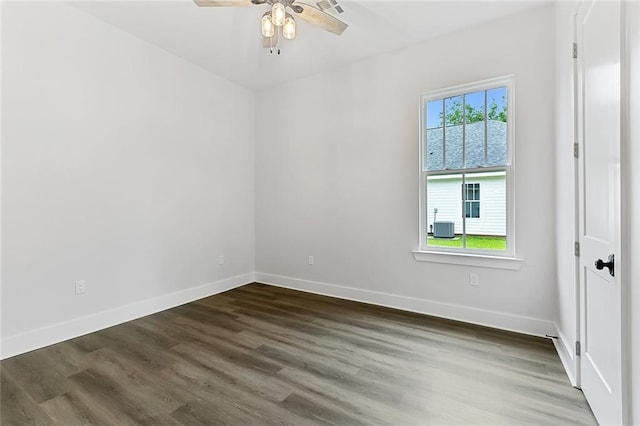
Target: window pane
x,y
497,104
444,215
474,129
497,126
487,224
453,132
453,111
475,209
474,107
433,151
472,209
434,114
472,191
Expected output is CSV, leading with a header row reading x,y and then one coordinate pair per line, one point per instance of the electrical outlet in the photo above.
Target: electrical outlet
x,y
81,286
310,260
220,260
474,279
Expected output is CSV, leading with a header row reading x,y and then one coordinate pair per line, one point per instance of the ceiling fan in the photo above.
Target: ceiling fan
x,y
279,19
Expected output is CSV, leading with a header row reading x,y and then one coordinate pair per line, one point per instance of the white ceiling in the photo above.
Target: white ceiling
x,y
227,41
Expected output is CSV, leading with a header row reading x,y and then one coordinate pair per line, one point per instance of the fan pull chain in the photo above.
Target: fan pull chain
x,y
271,45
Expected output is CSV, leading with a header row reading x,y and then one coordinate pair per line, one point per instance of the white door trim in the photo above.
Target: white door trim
x,y
625,210
576,228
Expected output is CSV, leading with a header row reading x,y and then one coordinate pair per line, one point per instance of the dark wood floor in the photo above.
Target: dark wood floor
x,y
265,355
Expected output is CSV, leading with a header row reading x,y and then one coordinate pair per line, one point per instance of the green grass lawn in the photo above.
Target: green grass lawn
x,y
480,242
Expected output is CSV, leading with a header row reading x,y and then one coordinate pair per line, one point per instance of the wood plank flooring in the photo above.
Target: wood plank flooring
x,y
265,355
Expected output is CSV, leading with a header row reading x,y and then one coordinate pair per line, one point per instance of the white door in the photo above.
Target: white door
x,y
599,33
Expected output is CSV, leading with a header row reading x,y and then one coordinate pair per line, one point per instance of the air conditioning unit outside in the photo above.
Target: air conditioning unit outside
x,y
444,229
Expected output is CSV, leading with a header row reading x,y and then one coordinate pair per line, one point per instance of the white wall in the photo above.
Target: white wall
x,y
337,173
565,210
122,165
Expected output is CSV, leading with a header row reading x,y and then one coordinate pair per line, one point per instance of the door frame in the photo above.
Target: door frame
x,y
625,210
576,227
622,261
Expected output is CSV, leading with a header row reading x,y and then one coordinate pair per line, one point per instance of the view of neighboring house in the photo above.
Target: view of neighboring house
x,y
485,192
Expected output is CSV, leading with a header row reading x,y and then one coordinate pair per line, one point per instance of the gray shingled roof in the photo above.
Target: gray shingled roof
x,y
474,145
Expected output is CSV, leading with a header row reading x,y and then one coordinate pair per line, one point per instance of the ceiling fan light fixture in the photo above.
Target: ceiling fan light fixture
x,y
289,28
278,21
278,14
267,26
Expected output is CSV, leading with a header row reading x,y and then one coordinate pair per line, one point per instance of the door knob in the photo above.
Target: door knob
x,y
609,265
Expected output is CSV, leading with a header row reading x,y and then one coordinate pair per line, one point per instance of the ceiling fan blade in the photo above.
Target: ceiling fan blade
x,y
317,17
223,3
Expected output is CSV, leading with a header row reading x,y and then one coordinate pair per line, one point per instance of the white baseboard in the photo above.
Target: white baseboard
x,y
494,319
55,333
566,352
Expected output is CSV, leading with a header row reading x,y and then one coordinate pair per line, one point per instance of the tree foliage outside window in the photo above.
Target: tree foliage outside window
x,y
454,116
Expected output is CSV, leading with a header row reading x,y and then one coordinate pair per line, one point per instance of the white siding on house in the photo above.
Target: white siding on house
x,y
445,194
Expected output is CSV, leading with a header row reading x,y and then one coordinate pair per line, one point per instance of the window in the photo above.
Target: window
x,y
466,150
472,200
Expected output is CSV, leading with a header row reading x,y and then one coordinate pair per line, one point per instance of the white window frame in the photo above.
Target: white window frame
x,y
485,258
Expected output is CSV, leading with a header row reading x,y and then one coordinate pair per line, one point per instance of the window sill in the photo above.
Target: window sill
x,y
478,260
